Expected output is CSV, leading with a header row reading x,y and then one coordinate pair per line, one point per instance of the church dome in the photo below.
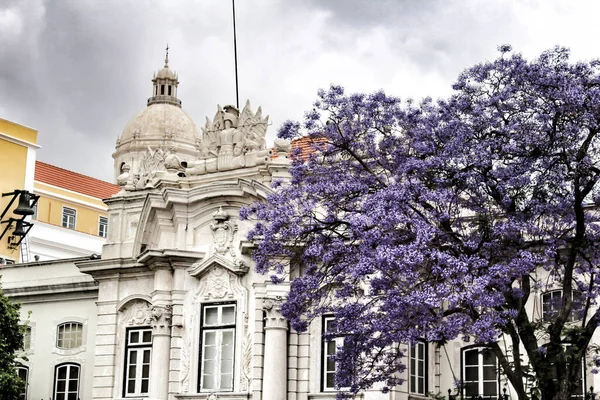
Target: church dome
x,y
160,121
161,128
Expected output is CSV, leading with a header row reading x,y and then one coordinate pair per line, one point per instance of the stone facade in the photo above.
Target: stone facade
x,y
173,309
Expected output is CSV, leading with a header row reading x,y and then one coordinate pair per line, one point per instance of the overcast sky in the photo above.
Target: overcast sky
x,y
78,70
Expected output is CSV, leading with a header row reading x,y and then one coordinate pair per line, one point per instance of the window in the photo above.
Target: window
x,y
69,335
26,338
217,347
68,217
169,90
418,368
162,89
137,363
328,354
23,373
66,382
552,303
480,373
102,227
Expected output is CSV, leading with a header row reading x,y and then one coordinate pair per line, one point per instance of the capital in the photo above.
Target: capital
x,y
161,319
274,319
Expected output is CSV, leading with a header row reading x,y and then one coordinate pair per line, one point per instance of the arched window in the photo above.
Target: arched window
x,y
69,335
23,373
66,381
480,372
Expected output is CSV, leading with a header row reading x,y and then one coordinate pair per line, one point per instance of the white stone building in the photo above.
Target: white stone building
x,y
173,308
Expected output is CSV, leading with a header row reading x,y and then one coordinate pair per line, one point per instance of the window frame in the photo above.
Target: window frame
x,y
480,365
142,346
324,370
74,216
546,317
101,224
20,367
71,323
220,328
411,369
67,378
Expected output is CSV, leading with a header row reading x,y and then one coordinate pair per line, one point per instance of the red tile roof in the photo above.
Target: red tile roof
x,y
65,179
305,144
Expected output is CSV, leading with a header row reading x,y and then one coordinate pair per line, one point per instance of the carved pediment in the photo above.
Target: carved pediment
x,y
200,269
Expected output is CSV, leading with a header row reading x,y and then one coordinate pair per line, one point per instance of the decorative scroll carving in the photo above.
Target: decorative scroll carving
x,y
137,312
246,359
161,319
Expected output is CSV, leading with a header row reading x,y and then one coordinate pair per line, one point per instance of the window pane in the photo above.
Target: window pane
x,y
489,373
145,383
146,357
62,372
228,315
72,385
472,357
471,373
330,380
134,337
72,396
489,358
226,381
471,389
210,338
211,316
490,388
131,386
147,337
61,385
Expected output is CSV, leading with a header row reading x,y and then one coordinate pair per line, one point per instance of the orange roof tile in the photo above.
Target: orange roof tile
x,y
305,144
65,179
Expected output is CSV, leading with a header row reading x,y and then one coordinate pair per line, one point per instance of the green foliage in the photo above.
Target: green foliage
x,y
11,341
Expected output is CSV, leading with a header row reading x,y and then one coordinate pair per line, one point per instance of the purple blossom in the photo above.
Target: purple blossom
x,y
433,219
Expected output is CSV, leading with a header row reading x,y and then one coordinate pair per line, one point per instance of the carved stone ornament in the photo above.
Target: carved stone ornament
x,y
231,140
161,319
274,319
136,313
223,232
246,360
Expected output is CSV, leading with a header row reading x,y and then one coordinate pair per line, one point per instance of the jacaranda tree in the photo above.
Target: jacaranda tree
x,y
443,220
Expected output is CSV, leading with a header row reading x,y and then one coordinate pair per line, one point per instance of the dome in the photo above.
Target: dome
x,y
161,121
166,73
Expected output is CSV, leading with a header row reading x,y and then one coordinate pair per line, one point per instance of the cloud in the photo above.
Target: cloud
x,y
78,70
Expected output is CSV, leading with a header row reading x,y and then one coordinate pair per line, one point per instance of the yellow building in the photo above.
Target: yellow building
x,y
18,145
71,219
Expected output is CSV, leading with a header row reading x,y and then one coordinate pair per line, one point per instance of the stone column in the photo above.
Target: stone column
x,y
275,361
161,352
162,312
